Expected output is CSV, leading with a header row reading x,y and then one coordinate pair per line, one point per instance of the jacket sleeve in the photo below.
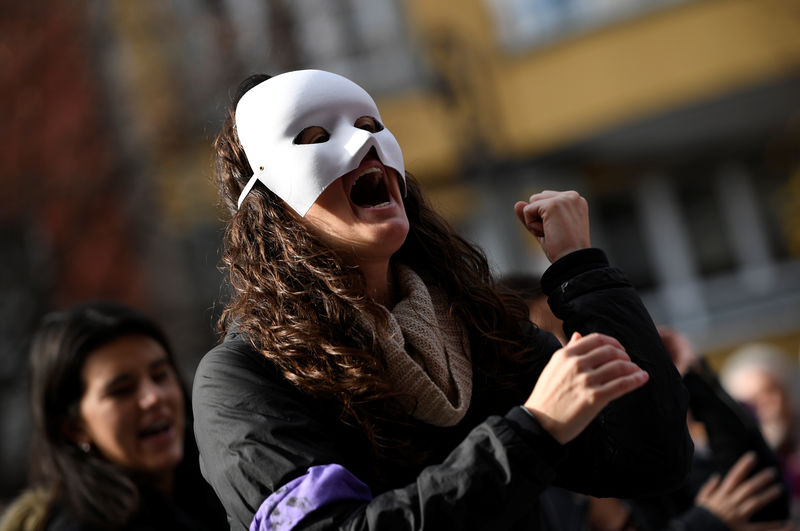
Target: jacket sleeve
x,y
273,462
492,480
639,444
696,519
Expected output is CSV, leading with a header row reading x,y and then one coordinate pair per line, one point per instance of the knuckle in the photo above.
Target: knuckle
x,y
619,354
570,354
591,398
581,364
597,336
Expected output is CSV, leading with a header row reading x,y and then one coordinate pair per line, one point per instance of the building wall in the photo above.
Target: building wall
x,y
543,98
679,122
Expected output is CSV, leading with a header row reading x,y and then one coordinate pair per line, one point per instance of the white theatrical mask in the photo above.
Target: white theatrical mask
x,y
271,115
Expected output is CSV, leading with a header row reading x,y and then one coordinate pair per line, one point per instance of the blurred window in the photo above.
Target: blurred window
x,y
703,216
523,24
778,197
622,236
366,40
730,217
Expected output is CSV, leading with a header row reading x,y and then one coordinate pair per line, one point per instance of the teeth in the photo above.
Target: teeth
x,y
370,170
373,188
157,427
367,172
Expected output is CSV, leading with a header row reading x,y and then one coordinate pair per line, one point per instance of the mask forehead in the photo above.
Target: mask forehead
x,y
284,105
270,115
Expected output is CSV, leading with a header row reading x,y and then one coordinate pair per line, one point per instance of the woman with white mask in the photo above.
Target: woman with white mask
x,y
372,376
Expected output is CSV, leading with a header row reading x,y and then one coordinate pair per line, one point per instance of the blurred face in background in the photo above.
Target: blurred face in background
x,y
132,408
770,401
539,312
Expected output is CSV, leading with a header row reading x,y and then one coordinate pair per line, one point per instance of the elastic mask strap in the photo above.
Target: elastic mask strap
x,y
246,190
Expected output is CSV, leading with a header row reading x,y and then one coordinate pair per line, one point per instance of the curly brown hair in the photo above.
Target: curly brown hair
x,y
297,301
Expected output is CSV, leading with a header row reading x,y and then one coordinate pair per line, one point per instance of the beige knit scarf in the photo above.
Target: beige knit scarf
x,y
427,351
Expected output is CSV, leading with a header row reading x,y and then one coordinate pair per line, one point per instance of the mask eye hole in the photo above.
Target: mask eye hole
x,y
312,135
368,123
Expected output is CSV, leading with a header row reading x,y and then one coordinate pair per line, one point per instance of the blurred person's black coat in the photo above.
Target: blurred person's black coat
x,y
38,510
732,431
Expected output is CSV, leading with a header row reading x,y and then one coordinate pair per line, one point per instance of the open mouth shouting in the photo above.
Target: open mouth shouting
x,y
158,432
369,189
370,186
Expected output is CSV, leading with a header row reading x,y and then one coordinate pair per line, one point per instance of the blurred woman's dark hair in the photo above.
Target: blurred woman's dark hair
x,y
90,487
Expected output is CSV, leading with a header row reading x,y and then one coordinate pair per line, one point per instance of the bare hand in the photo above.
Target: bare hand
x,y
735,498
579,381
679,348
559,220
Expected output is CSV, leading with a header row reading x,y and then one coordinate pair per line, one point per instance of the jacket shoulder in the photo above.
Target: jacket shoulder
x,y
28,512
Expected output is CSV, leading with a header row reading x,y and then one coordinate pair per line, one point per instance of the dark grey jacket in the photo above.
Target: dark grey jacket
x,y
256,433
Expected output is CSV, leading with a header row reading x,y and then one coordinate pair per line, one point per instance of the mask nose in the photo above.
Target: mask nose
x,y
372,154
357,140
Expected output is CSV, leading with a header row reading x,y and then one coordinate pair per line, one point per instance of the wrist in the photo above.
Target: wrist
x,y
547,423
561,253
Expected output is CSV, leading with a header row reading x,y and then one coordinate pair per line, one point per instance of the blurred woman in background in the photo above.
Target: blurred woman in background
x,y
111,444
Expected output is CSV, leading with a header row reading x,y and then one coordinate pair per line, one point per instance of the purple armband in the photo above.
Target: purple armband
x,y
320,486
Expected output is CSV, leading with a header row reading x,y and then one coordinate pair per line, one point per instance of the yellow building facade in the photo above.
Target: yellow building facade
x,y
549,96
679,120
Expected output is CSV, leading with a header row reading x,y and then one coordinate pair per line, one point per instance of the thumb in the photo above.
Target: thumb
x,y
575,337
519,209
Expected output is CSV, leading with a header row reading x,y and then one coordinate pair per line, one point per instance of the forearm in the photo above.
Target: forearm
x,y
639,443
696,519
490,481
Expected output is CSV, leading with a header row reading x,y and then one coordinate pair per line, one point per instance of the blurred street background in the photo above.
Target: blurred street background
x,y
678,120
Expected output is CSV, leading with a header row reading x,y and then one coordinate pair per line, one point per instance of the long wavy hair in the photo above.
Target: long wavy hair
x,y
93,490
297,300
